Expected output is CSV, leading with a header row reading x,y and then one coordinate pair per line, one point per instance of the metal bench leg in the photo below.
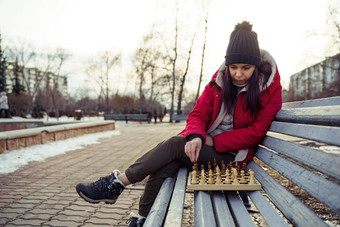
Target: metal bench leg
x,y
244,198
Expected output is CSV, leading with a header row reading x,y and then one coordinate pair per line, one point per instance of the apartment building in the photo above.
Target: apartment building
x,y
317,81
33,79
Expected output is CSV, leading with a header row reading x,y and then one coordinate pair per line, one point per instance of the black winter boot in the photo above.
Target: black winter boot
x,y
135,222
106,189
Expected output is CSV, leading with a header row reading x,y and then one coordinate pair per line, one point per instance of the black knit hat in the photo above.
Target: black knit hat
x,y
243,46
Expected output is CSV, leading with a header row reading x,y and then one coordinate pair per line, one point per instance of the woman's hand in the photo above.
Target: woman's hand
x,y
209,141
192,148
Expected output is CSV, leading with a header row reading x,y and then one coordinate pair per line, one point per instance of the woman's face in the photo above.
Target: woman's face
x,y
241,73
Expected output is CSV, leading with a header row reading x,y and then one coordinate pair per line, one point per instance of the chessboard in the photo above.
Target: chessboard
x,y
227,179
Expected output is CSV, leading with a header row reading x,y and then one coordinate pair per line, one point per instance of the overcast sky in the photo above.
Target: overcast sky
x,y
86,27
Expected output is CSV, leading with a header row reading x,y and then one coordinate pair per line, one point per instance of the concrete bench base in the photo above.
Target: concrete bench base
x,y
17,139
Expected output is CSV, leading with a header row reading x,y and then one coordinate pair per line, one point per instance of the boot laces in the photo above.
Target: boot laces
x,y
133,221
104,183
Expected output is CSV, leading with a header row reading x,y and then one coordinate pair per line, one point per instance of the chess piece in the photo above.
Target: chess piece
x,y
215,165
230,166
251,176
232,173
218,176
243,179
209,166
194,177
202,181
235,177
217,170
223,168
227,179
210,180
237,166
244,167
195,166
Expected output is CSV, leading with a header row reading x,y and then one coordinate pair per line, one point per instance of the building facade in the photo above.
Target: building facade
x,y
317,81
34,80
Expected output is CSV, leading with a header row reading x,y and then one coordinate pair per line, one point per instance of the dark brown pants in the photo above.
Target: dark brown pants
x,y
164,161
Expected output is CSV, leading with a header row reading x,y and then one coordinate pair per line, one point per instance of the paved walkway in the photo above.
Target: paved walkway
x,y
43,193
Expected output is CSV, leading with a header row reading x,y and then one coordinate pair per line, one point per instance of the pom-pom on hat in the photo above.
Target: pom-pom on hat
x,y
243,46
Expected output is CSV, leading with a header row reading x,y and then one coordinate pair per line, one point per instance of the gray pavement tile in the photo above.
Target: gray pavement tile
x,y
102,222
25,222
55,223
43,193
78,218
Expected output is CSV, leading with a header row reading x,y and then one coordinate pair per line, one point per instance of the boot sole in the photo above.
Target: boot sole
x,y
87,199
107,201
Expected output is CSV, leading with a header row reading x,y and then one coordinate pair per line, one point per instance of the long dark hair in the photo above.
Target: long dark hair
x,y
260,74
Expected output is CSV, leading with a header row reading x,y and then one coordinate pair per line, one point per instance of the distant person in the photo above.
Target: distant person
x,y
4,105
155,118
229,120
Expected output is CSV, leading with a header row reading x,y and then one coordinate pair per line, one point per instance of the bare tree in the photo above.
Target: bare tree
x,y
58,59
183,77
48,79
23,53
101,72
142,62
205,7
149,68
173,62
334,27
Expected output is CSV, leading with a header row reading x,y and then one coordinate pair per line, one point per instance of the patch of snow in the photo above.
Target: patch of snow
x,y
14,159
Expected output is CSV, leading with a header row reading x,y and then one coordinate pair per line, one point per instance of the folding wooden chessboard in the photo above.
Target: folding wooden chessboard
x,y
231,179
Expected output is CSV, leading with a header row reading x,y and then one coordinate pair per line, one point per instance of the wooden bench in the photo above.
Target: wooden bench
x,y
168,207
287,150
127,117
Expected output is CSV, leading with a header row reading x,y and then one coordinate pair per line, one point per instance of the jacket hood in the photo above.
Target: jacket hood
x,y
265,56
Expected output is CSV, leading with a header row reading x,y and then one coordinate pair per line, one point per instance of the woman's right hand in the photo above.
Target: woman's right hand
x,y
192,148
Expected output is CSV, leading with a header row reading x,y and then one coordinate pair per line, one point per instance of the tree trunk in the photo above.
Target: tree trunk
x,y
180,94
203,51
174,67
202,61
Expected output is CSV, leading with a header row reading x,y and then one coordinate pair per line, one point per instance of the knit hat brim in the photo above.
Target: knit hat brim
x,y
242,59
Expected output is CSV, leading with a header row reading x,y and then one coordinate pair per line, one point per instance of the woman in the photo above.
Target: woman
x,y
4,105
230,118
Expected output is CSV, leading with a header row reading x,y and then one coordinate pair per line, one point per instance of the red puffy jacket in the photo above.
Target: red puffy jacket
x,y
248,131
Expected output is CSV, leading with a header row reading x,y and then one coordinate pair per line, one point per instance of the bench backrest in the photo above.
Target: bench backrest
x,y
314,123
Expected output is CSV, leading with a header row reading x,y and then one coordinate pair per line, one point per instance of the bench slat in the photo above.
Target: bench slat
x,y
294,210
328,193
326,115
330,101
325,134
241,214
204,215
318,160
175,212
159,207
221,210
267,211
